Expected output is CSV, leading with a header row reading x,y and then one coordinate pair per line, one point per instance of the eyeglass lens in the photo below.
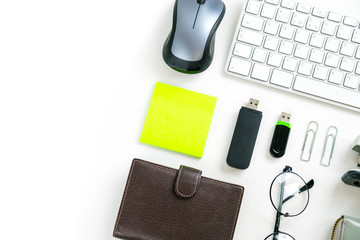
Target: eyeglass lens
x,y
285,194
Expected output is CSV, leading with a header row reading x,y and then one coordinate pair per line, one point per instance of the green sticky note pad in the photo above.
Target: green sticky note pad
x,y
178,119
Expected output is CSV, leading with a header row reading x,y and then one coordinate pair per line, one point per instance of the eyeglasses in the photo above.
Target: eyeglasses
x,y
288,186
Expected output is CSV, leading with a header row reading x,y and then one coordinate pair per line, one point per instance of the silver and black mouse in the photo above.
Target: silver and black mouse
x,y
189,47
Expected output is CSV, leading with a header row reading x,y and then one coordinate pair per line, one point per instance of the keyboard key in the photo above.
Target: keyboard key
x,y
250,37
317,40
268,11
274,59
316,55
304,8
271,43
242,50
281,78
318,12
320,72
344,32
332,44
271,27
260,72
347,64
239,66
286,32
253,7
286,47
283,15
328,28
298,19
336,77
252,22
313,24
305,68
290,64
358,53
334,17
290,4
357,71
302,36
356,36
301,51
259,55
327,91
350,21
351,81
275,2
332,60
347,49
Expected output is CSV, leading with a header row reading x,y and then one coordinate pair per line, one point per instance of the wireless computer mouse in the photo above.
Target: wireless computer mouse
x,y
189,47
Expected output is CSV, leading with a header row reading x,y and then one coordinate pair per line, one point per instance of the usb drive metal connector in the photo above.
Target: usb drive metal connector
x,y
285,117
253,103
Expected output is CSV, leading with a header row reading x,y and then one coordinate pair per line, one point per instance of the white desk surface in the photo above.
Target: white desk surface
x,y
76,79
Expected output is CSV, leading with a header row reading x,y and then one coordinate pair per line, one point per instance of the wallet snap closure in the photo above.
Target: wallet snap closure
x,y
187,182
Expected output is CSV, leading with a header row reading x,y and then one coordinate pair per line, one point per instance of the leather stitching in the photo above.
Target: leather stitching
x,y
239,201
178,180
124,198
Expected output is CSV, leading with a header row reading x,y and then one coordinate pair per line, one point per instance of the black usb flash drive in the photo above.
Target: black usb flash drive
x,y
281,136
244,137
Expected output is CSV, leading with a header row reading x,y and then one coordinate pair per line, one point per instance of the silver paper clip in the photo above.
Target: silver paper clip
x,y
309,141
329,146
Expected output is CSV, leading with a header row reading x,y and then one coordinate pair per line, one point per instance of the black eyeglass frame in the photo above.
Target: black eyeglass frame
x,y
306,187
279,232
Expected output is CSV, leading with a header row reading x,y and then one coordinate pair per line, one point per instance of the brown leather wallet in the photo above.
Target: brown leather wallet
x,y
165,203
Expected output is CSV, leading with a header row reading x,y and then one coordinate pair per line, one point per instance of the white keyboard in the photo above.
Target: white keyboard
x,y
300,49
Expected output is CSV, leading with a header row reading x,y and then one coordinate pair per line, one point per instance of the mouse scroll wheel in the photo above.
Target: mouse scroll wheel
x,y
201,1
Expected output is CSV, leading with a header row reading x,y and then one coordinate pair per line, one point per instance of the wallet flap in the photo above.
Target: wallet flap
x,y
187,182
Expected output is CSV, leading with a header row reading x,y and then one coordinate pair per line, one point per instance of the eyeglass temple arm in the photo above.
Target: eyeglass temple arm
x,y
277,224
307,186
278,213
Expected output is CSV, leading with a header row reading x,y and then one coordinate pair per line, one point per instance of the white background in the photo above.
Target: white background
x,y
76,79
